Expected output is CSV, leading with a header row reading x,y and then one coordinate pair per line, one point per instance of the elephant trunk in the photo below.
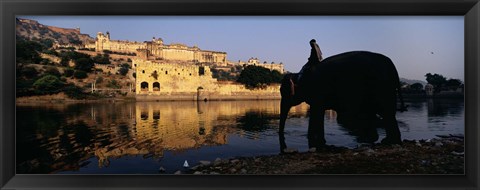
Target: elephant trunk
x,y
284,109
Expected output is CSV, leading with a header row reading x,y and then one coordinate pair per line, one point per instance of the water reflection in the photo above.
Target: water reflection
x,y
90,138
61,137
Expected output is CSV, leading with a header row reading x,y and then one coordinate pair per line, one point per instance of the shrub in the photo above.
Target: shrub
x,y
46,62
74,92
48,84
102,59
29,72
84,64
80,74
68,72
124,69
53,71
27,51
113,84
50,52
255,76
99,80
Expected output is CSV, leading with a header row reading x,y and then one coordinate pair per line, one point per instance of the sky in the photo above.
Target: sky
x,y
416,44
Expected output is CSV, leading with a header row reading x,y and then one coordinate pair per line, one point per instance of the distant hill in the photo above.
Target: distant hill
x,y
33,30
412,81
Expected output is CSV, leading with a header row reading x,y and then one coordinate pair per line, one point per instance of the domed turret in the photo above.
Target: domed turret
x,y
429,89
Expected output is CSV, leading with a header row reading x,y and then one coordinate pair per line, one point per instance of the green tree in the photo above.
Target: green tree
x,y
438,81
79,74
27,51
124,69
51,52
113,84
75,92
47,43
276,77
48,84
68,72
102,59
453,84
84,64
29,72
53,71
256,76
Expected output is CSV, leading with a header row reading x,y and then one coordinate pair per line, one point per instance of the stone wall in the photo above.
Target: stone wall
x,y
163,78
164,81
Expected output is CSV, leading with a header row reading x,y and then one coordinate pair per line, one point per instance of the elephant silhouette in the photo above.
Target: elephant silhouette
x,y
360,86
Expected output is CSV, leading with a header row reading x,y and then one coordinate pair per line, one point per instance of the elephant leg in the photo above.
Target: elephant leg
x,y
392,130
388,109
316,131
367,130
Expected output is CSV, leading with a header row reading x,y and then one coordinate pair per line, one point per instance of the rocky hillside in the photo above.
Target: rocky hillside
x,y
33,30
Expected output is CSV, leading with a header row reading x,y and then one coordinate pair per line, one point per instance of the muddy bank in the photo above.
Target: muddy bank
x,y
442,155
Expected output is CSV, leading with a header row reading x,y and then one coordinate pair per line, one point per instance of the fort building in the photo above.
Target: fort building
x,y
159,80
156,78
256,62
177,71
157,50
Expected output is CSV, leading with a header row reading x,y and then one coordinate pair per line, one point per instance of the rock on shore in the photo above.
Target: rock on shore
x,y
443,155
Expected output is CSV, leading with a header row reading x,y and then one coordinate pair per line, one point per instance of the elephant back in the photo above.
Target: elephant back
x,y
350,77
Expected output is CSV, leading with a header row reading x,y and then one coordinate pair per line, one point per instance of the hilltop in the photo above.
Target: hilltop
x,y
33,30
412,81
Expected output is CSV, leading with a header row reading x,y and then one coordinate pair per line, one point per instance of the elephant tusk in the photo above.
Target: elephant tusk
x,y
292,87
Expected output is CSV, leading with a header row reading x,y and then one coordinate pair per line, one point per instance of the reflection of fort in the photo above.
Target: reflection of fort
x,y
79,132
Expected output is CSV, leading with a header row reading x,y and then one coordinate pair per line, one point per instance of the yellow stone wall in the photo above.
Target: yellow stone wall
x,y
178,54
184,78
172,78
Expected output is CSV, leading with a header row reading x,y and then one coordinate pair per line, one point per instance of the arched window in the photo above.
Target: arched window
x,y
156,86
144,86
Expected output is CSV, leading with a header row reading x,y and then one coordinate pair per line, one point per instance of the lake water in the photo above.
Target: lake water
x,y
141,137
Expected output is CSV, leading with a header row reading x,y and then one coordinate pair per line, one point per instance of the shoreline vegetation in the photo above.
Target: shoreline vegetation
x,y
442,155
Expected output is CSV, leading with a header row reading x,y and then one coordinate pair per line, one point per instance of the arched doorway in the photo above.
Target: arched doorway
x,y
144,86
156,86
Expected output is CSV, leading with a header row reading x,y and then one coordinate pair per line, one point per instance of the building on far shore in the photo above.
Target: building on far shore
x,y
177,71
163,80
157,50
256,62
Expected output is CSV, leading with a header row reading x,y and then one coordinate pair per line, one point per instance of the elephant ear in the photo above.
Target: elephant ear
x,y
287,89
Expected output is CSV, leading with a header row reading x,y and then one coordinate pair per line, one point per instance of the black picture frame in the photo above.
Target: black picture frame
x,y
470,9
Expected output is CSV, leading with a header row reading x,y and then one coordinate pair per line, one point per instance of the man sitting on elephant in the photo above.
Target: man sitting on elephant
x,y
315,57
